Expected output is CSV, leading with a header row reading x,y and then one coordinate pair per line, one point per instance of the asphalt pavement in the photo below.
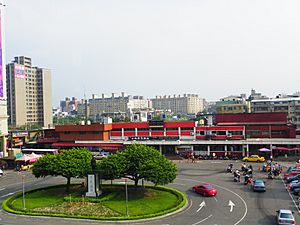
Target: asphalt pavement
x,y
235,203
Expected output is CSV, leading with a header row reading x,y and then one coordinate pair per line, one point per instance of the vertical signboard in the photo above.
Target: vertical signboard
x,y
1,66
19,71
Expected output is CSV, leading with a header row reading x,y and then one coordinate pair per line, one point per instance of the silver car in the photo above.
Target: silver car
x,y
285,216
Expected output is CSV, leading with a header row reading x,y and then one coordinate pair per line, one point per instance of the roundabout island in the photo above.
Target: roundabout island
x,y
143,202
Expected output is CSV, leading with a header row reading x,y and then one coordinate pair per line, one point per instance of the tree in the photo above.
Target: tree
x,y
139,162
70,163
111,167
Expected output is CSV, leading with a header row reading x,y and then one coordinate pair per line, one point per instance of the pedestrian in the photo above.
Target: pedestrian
x,y
193,157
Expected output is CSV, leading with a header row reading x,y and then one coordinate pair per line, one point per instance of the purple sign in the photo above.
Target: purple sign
x,y
19,71
1,72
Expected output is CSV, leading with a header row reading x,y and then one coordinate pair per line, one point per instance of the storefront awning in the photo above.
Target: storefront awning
x,y
109,146
285,149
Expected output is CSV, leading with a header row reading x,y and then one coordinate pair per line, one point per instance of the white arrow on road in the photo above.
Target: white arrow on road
x,y
231,204
202,204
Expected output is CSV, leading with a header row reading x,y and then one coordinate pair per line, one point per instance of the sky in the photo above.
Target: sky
x,y
213,48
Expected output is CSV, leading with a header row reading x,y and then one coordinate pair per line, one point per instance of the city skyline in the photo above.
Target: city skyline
x,y
210,48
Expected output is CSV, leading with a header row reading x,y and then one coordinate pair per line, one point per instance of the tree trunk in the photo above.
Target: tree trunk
x,y
136,182
68,184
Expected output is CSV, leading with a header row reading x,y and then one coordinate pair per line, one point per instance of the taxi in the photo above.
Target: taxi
x,y
254,158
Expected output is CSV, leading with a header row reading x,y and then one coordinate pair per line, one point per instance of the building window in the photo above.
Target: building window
x,y
200,132
187,129
143,129
129,129
172,129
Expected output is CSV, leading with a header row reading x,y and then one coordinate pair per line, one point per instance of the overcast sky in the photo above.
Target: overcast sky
x,y
214,48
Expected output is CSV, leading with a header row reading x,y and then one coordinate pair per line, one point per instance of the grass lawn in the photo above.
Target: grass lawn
x,y
153,201
141,201
41,198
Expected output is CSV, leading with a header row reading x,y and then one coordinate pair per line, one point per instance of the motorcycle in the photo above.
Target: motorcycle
x,y
236,177
248,180
229,168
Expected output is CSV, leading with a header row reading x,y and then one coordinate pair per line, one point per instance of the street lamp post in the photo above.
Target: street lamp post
x,y
23,189
126,197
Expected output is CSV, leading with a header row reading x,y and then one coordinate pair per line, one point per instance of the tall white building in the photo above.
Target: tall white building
x,y
29,94
185,104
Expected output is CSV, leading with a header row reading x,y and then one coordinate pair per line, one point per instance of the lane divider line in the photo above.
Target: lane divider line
x,y
203,220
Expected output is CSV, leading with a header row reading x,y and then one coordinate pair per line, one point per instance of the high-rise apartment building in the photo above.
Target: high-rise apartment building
x,y
70,105
185,104
116,105
29,94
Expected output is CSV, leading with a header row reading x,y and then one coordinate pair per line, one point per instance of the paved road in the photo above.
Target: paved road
x,y
246,206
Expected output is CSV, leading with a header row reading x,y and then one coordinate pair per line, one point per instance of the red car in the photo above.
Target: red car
x,y
205,189
292,173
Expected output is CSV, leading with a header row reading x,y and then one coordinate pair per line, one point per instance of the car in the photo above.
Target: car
x,y
259,185
296,191
254,158
205,189
294,186
292,178
290,169
26,167
285,216
292,183
292,173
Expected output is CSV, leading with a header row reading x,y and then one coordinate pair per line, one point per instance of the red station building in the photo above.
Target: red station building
x,y
228,134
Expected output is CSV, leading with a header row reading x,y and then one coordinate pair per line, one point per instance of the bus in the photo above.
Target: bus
x,y
39,151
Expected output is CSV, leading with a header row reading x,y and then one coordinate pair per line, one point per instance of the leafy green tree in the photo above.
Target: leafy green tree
x,y
139,162
112,167
70,163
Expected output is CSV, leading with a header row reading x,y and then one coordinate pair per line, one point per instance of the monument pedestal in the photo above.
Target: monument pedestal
x,y
93,186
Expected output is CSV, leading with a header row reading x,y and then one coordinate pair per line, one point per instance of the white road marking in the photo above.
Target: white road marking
x,y
179,184
216,162
1,189
216,199
245,204
203,220
9,194
202,204
290,194
231,204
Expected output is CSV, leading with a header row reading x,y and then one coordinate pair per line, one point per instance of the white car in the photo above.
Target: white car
x,y
285,216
